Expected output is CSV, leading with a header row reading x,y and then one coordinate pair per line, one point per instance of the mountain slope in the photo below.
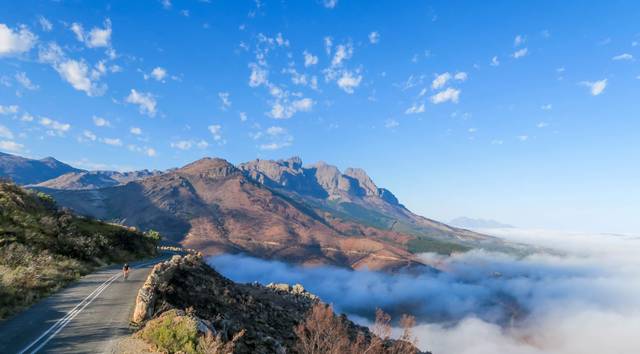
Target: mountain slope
x,y
211,206
28,171
478,223
95,179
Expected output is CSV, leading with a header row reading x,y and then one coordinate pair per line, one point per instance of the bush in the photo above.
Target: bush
x,y
154,235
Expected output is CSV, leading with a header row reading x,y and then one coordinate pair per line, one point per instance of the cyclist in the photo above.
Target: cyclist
x,y
125,270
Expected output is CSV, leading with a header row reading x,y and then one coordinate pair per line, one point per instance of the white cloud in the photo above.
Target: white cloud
x,y
114,142
89,135
243,116
415,58
422,93
494,61
286,109
348,82
596,87
461,76
202,145
135,130
415,109
440,80
26,117
55,125
8,109
281,42
519,40
520,53
275,131
16,42
446,95
328,42
46,25
541,125
158,73
101,122
185,12
11,146
225,99
391,123
473,130
606,41
145,100
547,107
216,131
5,80
275,146
545,33
97,37
623,56
499,142
166,4
309,59
5,132
560,70
342,52
522,137
182,145
258,75
330,3
374,37
150,152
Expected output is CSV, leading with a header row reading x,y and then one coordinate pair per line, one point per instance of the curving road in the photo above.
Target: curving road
x,y
90,316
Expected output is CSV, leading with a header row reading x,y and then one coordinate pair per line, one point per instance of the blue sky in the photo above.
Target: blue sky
x,y
524,112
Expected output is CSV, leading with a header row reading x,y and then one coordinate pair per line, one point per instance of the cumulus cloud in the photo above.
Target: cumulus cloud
x,y
101,122
243,116
26,83
8,109
484,302
415,109
494,61
522,137
158,73
60,128
547,106
519,40
309,59
449,94
374,37
258,75
440,80
14,42
6,133
520,53
166,4
26,117
596,87
328,42
348,81
225,100
136,131
462,76
114,142
342,52
391,123
284,109
11,146
146,102
97,37
541,125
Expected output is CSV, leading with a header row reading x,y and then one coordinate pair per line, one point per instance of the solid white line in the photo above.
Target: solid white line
x,y
71,314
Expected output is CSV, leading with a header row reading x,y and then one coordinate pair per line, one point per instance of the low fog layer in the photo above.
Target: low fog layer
x,y
588,302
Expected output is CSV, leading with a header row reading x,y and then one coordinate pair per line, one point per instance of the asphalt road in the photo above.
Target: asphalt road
x,y
90,316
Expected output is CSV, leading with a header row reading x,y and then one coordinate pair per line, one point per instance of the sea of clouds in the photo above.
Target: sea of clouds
x,y
481,302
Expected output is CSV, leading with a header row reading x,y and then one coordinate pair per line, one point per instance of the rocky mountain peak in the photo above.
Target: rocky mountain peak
x,y
209,168
364,181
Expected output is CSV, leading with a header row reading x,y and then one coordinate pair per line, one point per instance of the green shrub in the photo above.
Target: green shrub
x,y
172,334
422,245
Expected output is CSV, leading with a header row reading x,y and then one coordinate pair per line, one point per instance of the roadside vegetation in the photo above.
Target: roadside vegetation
x,y
44,248
424,244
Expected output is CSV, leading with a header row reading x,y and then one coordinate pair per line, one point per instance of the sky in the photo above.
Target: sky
x,y
523,112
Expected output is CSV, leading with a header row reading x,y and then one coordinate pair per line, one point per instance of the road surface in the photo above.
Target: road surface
x,y
90,316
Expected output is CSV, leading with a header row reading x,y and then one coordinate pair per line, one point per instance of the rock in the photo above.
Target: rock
x,y
298,289
283,287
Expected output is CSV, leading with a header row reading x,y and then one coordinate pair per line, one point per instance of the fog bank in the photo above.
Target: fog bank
x,y
482,302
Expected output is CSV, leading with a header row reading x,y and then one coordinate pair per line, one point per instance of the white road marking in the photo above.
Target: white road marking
x,y
61,323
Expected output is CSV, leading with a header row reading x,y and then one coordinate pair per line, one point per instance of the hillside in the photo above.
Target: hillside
x,y
28,171
95,179
469,223
188,307
44,248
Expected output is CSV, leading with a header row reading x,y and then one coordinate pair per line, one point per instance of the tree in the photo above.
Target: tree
x,y
154,235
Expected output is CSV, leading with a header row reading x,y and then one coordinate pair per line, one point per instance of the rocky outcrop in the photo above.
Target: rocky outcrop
x,y
160,276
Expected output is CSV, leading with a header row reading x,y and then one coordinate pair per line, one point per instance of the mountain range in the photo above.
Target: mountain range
x,y
274,210
469,223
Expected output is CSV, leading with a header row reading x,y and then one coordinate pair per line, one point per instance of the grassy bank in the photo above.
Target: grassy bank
x,y
44,248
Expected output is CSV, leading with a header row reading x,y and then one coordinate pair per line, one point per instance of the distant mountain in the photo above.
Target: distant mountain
x,y
468,223
28,171
279,210
96,179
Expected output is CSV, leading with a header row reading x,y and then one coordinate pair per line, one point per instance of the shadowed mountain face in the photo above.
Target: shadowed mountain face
x,y
469,223
278,210
28,171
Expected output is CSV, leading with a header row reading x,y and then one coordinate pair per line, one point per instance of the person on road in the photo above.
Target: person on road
x,y
125,270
